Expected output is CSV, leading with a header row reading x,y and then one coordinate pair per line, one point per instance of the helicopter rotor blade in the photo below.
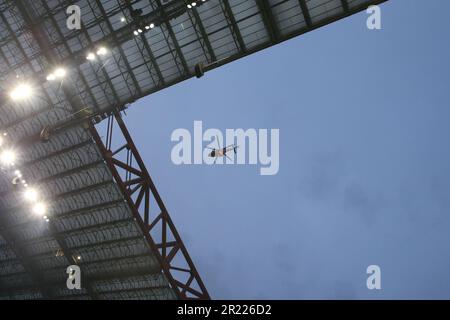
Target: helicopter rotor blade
x,y
218,142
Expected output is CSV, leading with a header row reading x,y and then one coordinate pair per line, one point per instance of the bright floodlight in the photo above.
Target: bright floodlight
x,y
7,157
22,91
51,77
40,209
31,195
152,25
1,141
60,73
102,51
90,56
123,19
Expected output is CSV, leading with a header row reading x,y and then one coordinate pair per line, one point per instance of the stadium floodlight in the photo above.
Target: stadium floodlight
x,y
90,56
31,195
60,73
102,51
140,30
7,157
136,33
51,77
40,209
152,25
21,92
193,4
122,19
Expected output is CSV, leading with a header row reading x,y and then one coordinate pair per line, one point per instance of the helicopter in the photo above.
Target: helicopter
x,y
221,152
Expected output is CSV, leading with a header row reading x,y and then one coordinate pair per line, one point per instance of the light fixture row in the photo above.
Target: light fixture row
x,y
58,74
145,28
30,194
193,4
150,26
24,90
7,162
102,51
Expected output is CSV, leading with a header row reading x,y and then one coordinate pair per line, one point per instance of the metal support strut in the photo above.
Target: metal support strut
x,y
158,228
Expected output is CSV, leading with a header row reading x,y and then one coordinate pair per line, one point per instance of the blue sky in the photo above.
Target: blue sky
x,y
364,162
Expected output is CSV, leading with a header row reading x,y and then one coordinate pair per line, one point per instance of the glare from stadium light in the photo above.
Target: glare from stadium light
x,y
7,157
90,56
140,30
22,91
51,77
60,73
189,6
122,19
152,25
102,51
136,33
31,195
40,209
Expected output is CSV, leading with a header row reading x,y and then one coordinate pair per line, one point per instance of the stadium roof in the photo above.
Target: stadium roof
x,y
124,50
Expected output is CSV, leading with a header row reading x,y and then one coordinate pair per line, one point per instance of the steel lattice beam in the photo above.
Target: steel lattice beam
x,y
164,248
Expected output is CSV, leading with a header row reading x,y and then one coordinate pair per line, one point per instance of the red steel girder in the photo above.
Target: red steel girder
x,y
167,245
